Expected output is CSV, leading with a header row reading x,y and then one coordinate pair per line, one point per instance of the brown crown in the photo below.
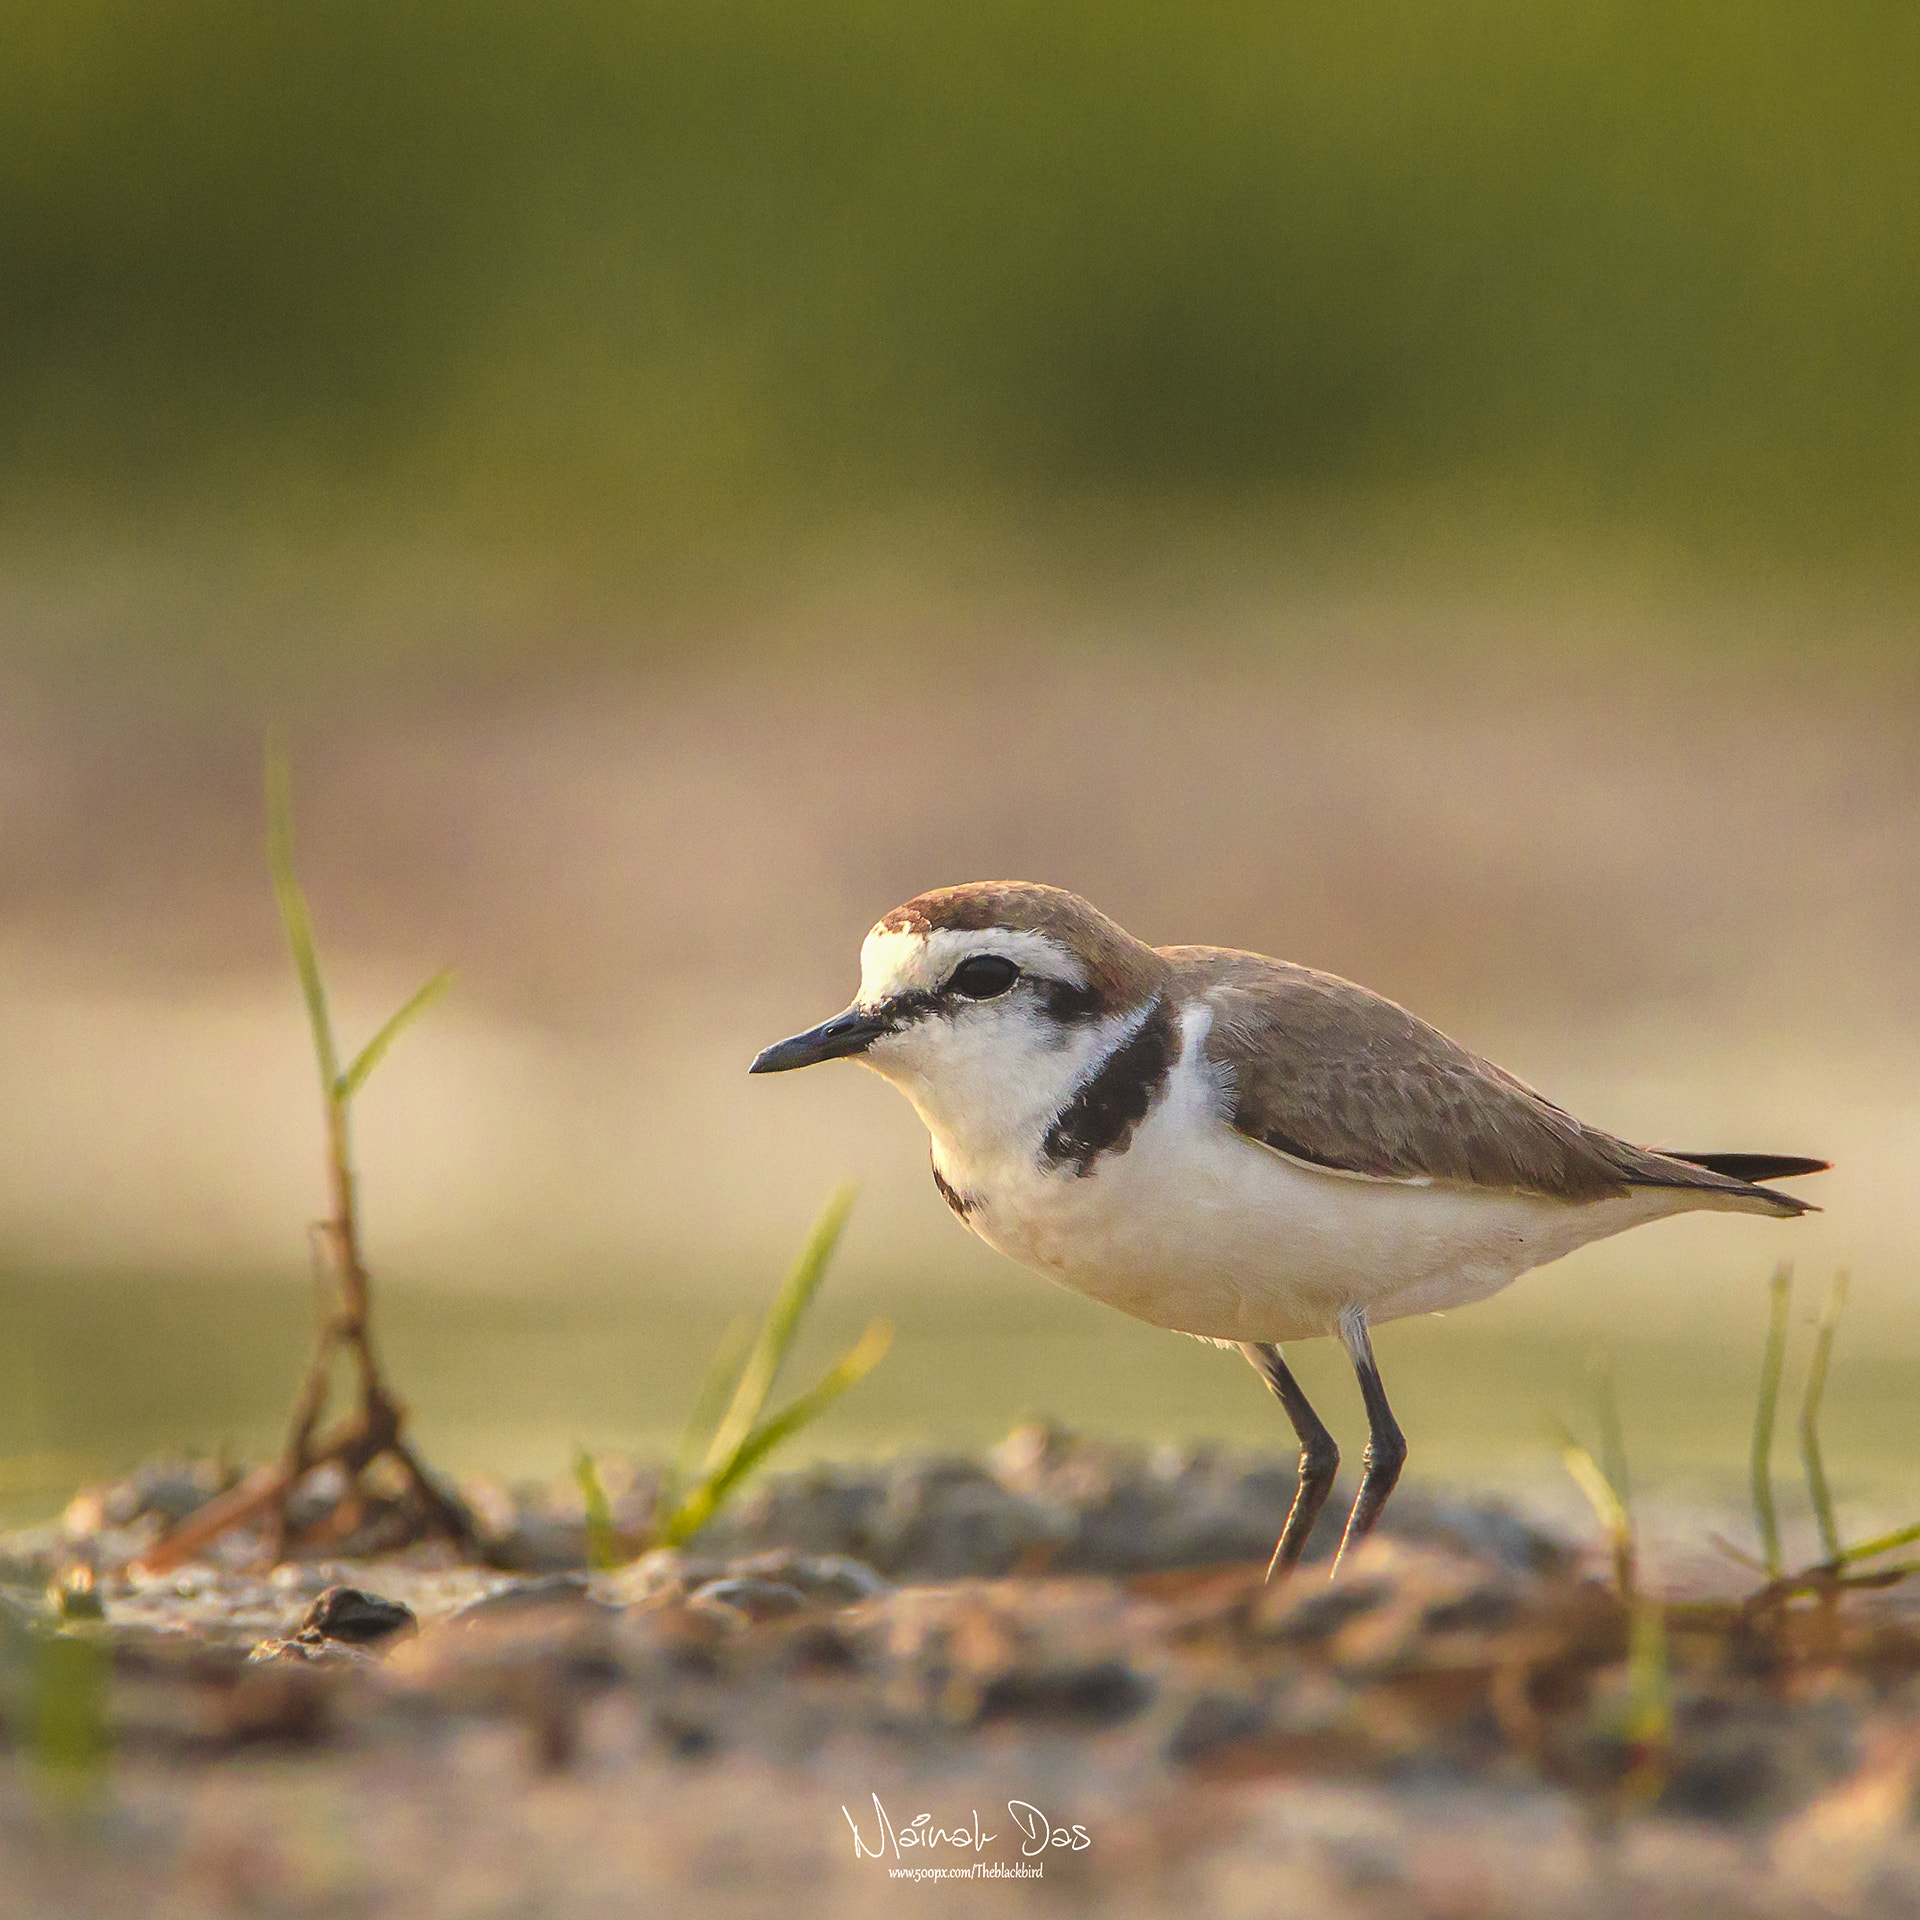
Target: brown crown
x,y
1121,969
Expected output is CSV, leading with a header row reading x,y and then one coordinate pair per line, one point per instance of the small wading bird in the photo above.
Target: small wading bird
x,y
1232,1146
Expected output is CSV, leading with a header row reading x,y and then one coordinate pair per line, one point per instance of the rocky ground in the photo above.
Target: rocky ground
x,y
1055,1676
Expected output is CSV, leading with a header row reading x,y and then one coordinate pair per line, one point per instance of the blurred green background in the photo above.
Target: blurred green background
x,y
1430,490
638,272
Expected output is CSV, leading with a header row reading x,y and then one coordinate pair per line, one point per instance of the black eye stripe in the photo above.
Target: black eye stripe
x,y
984,976
1070,1005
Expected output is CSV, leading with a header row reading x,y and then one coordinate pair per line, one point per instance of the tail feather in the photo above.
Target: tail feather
x,y
1750,1167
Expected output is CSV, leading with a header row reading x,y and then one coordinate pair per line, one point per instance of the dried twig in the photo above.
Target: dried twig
x,y
374,1431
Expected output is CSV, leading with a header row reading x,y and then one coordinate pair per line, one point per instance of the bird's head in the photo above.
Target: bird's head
x,y
986,1005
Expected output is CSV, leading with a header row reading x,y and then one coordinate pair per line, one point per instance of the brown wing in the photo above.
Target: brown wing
x,y
1330,1073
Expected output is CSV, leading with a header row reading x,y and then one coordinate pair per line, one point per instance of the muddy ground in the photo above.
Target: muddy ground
x,y
1062,1659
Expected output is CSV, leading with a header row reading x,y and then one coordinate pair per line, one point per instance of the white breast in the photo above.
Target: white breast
x,y
1196,1228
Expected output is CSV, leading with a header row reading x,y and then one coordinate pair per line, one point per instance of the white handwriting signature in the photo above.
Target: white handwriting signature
x,y
1037,1830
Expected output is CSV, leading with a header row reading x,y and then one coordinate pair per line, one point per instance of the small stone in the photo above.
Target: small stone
x,y
666,1573
539,1543
831,1579
524,1597
309,1651
75,1596
751,1600
357,1617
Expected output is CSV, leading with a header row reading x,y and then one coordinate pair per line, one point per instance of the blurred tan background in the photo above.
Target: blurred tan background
x,y
1430,498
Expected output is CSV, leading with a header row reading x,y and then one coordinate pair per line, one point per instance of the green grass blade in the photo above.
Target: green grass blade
x,y
1601,1497
705,1499
1781,1290
1613,1443
1900,1570
1817,1489
1738,1555
1867,1549
777,1331
1649,1726
375,1050
723,1370
603,1543
293,912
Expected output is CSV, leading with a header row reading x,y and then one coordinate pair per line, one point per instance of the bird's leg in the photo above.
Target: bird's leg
x,y
1386,1450
1319,1457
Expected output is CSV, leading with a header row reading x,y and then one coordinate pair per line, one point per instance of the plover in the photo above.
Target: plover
x,y
1235,1147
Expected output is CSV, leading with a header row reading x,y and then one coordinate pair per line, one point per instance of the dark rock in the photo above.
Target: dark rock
x,y
358,1617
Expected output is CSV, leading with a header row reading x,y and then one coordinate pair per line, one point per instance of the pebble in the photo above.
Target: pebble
x,y
357,1617
749,1600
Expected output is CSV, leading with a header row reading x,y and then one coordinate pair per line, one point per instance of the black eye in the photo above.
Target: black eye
x,y
983,977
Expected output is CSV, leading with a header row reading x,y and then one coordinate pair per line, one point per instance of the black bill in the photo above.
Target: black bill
x,y
846,1033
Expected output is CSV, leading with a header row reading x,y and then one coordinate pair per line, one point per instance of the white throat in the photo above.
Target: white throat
x,y
990,1082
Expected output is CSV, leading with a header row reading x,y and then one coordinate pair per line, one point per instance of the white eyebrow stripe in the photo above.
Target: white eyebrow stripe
x,y
906,962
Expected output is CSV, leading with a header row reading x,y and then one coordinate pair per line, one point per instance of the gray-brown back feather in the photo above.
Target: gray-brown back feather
x,y
1333,1074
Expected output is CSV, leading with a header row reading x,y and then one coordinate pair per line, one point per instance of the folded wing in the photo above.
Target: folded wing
x,y
1327,1072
